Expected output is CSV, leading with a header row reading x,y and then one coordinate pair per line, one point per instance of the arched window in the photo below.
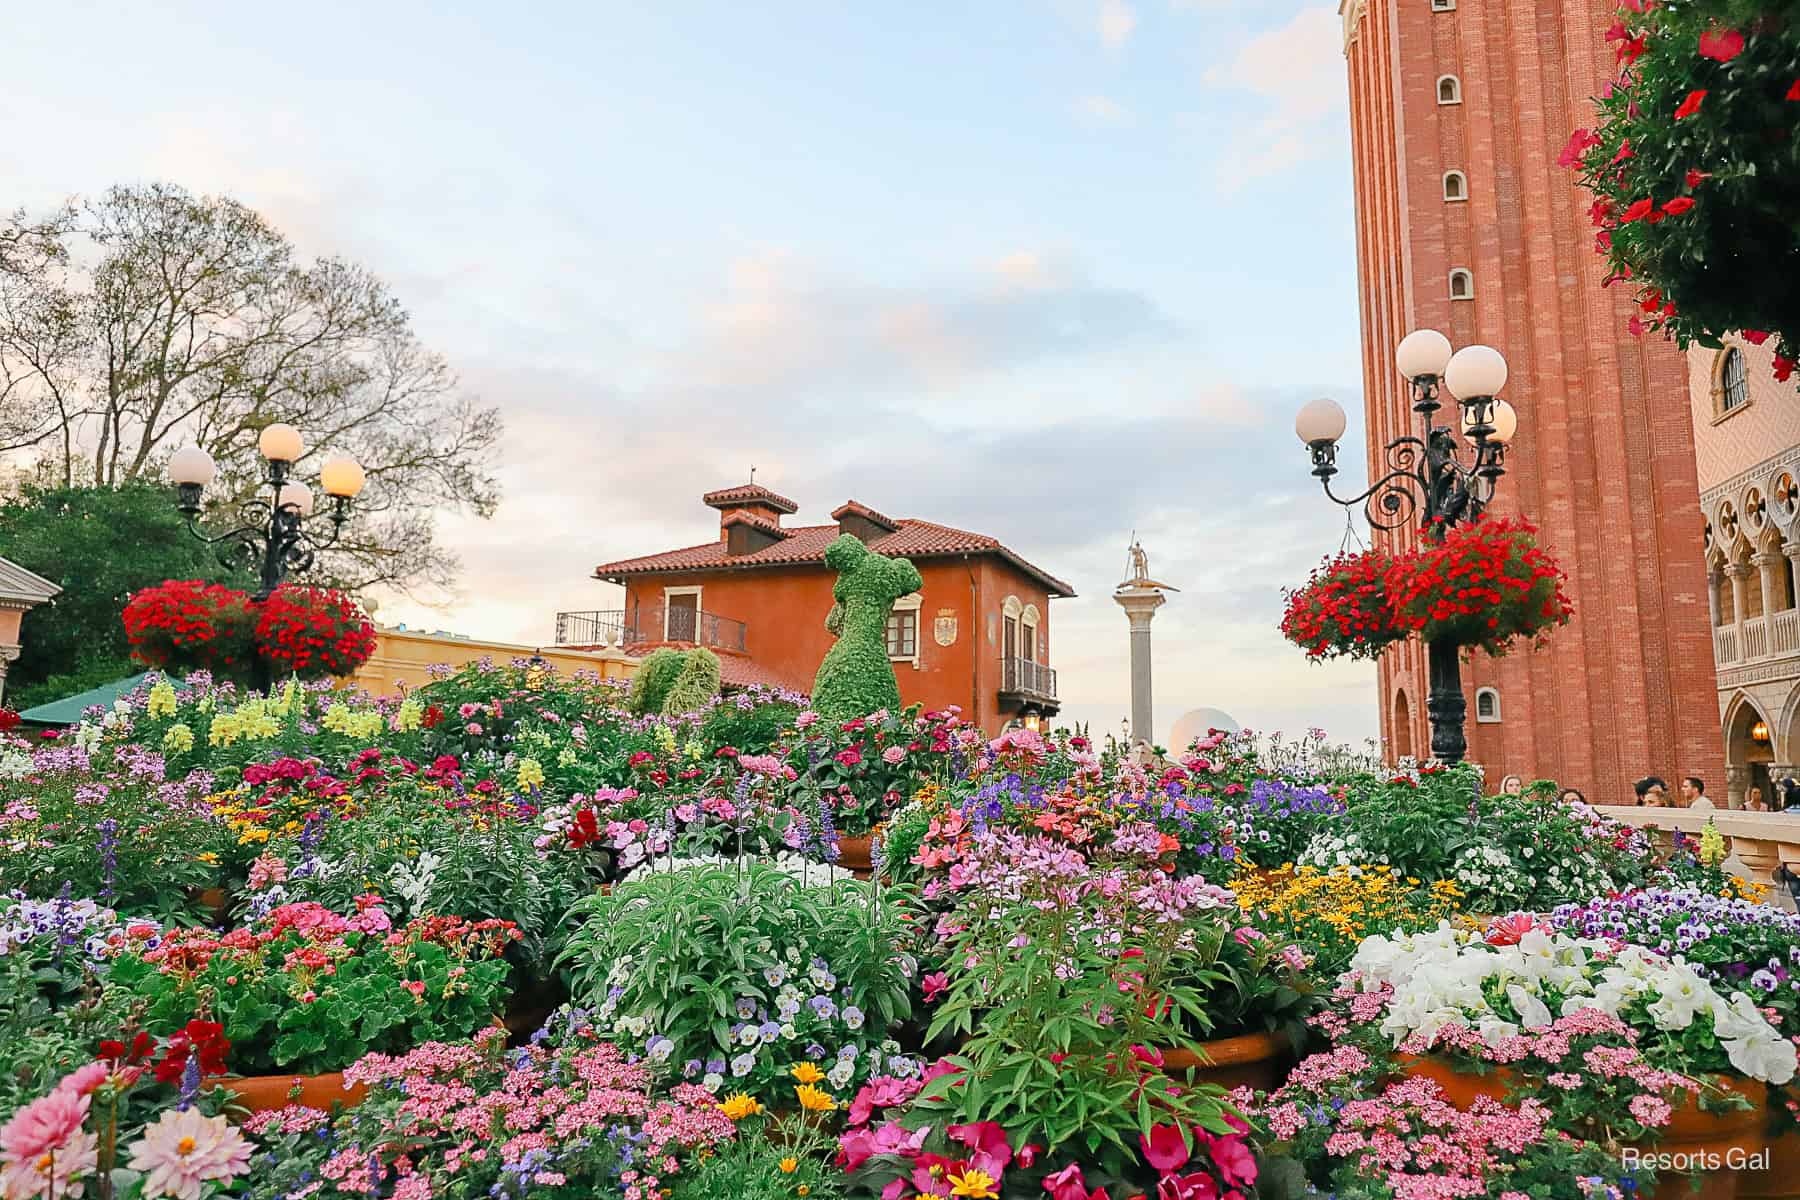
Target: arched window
x,y
1456,185
1449,89
1010,612
1462,284
1487,705
1029,644
1732,387
1402,744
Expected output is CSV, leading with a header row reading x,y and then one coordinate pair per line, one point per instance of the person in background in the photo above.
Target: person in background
x,y
1787,794
1571,796
1652,792
1512,785
1753,800
1693,793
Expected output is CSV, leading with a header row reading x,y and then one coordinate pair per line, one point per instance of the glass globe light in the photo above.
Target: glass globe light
x,y
192,465
296,494
281,443
1505,422
342,476
1475,371
1321,420
1422,352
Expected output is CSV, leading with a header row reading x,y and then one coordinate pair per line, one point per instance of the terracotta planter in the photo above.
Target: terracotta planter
x,y
1711,1149
1778,1176
853,855
217,902
266,1093
1257,1060
1461,1088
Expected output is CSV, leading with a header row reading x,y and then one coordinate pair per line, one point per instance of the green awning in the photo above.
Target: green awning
x,y
68,710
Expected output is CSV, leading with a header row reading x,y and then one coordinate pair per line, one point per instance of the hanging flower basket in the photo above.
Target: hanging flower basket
x,y
188,624
1485,585
1343,610
313,632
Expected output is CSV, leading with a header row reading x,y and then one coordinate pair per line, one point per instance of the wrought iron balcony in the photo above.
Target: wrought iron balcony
x,y
647,624
1027,679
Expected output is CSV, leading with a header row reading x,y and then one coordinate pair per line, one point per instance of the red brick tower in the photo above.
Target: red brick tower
x,y
1466,224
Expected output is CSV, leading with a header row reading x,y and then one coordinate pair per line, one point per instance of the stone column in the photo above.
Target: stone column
x,y
1792,550
1766,566
1140,607
1737,782
1715,588
7,654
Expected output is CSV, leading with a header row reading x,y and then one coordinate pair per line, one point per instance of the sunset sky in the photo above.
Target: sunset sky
x,y
1050,271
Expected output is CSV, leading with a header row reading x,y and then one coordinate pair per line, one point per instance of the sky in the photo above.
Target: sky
x,y
1051,270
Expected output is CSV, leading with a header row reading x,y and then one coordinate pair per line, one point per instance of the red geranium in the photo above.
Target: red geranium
x,y
1342,612
9,720
1484,585
312,631
189,624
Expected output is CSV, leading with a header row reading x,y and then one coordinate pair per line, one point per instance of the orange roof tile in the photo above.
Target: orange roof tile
x,y
806,544
748,493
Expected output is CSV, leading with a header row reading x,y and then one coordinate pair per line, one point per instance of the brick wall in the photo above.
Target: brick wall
x,y
1604,460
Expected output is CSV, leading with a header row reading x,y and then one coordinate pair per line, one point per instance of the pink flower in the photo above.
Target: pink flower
x,y
1066,1184
934,985
61,1173
1165,1148
43,1125
183,1150
83,1080
1235,1163
894,755
1723,46
988,1148
1579,143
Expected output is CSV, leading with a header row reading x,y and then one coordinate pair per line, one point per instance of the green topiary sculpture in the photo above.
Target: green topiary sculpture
x,y
856,677
655,676
697,683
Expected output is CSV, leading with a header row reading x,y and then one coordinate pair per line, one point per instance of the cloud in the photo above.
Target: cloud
x,y
1116,22
1101,110
1295,75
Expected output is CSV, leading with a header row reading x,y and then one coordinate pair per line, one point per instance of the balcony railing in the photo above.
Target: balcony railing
x,y
1023,677
1774,635
650,623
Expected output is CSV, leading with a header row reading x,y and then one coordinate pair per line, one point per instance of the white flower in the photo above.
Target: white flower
x,y
1533,1012
1769,1057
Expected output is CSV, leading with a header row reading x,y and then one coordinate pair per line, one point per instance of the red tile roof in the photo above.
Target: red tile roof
x,y
806,544
755,522
865,512
736,671
749,493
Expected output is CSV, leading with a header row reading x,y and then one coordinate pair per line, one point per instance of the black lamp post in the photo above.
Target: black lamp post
x,y
276,541
1427,480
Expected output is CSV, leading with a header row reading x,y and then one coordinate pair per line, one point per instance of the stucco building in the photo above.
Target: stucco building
x,y
1466,224
976,635
20,592
1747,443
403,659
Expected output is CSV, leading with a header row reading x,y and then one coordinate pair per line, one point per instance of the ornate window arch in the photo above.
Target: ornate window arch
x,y
1730,384
1449,89
1030,641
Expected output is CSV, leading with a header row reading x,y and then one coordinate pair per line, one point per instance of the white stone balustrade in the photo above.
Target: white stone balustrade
x,y
1761,841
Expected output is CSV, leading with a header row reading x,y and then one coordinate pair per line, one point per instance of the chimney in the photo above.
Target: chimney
x,y
749,517
862,522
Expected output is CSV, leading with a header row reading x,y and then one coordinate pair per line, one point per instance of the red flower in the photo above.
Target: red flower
x,y
1691,105
1165,1148
9,720
1677,206
1784,368
1579,143
1694,177
1635,327
1793,93
1638,211
1755,337
1721,46
1624,152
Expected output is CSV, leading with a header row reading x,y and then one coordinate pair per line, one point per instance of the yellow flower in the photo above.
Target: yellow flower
x,y
1712,846
178,739
531,775
814,1099
807,1073
207,857
803,1190
162,699
739,1105
974,1183
253,833
408,716
789,1165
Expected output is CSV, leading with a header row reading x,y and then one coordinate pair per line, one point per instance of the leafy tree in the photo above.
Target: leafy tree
x,y
99,544
1695,164
149,318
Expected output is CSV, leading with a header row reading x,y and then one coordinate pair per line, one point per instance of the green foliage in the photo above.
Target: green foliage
x,y
696,953
100,545
655,676
695,685
753,727
750,1166
1711,241
89,673
856,678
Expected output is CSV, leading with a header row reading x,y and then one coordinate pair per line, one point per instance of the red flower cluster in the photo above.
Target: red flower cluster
x,y
1483,585
313,631
1342,611
188,624
9,720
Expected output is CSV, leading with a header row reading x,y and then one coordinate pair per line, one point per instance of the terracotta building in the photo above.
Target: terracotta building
x,y
977,635
1466,224
1747,435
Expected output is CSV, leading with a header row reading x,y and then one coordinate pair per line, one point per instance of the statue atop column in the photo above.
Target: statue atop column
x,y
1138,563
